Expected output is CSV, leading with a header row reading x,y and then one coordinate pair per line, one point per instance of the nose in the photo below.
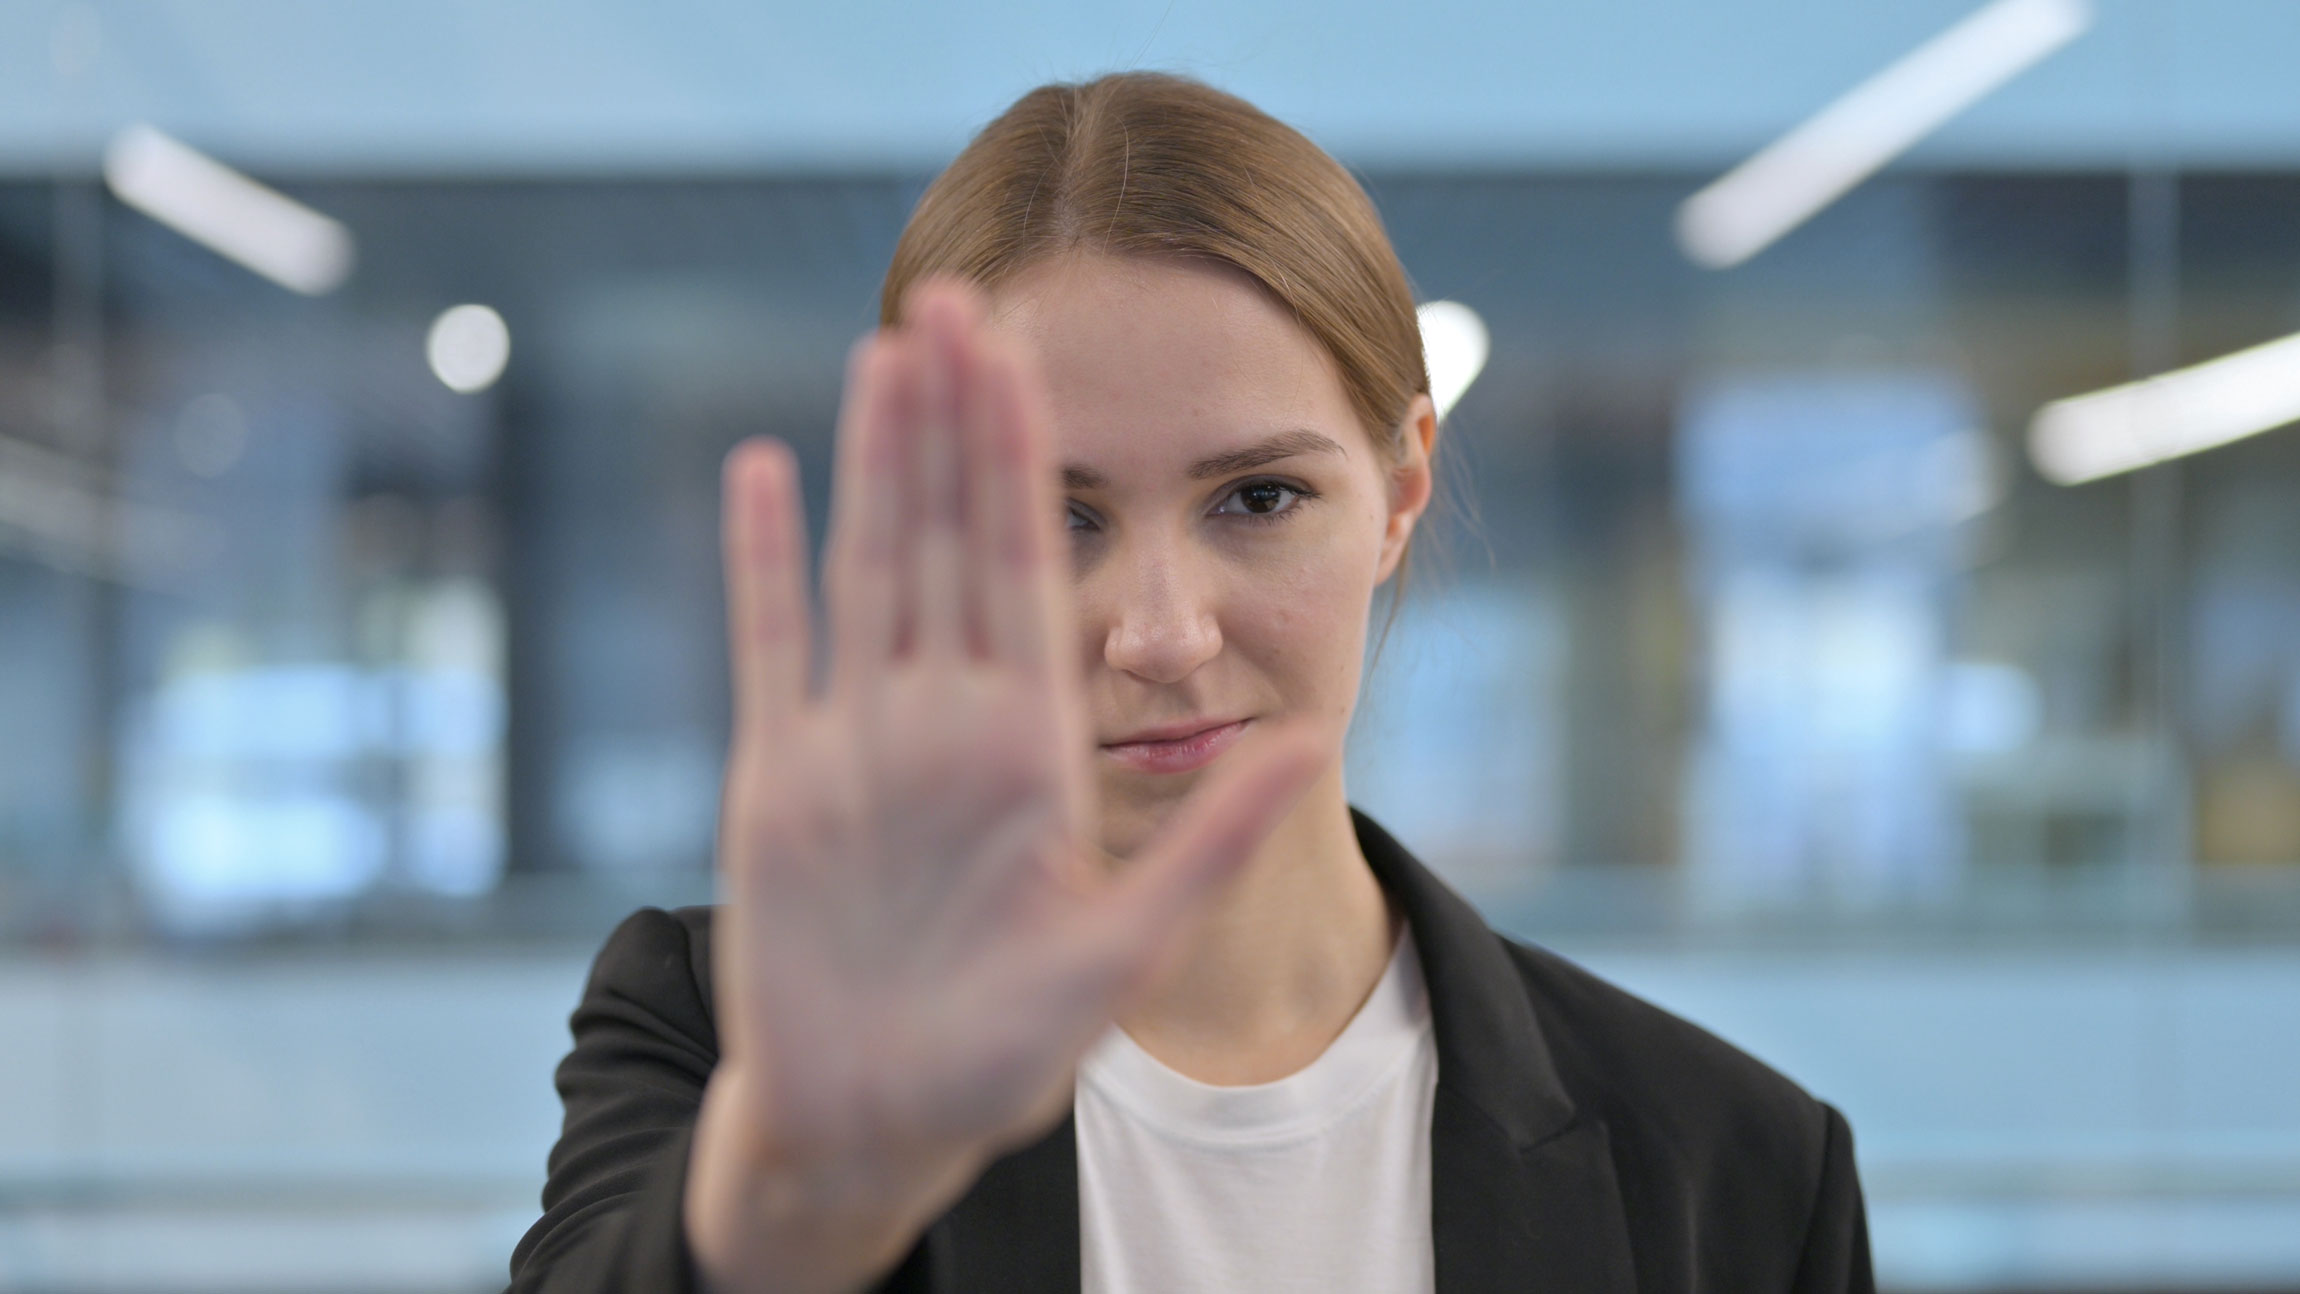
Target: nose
x,y
1158,623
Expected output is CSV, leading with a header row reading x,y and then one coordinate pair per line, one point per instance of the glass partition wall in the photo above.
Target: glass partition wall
x,y
1745,605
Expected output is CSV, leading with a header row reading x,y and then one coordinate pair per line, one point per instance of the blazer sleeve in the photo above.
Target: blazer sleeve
x,y
613,1204
631,1088
1836,1253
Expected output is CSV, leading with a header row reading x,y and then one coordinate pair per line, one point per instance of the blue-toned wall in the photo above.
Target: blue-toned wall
x,y
369,86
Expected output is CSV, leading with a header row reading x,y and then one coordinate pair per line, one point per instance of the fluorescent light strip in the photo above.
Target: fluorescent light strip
x,y
1454,346
2125,428
225,211
1780,188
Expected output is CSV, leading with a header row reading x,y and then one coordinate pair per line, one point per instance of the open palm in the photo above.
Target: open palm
x,y
919,938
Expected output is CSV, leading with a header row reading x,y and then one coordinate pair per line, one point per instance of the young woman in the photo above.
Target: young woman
x,y
1052,956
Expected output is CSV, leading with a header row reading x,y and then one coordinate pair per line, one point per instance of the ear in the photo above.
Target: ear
x,y
1411,482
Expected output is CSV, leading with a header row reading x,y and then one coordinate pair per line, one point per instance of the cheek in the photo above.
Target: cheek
x,y
1301,618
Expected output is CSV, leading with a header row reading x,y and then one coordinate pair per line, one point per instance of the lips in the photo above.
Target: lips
x,y
1175,748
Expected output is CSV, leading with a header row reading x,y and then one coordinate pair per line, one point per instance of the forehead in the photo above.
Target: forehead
x,y
1148,358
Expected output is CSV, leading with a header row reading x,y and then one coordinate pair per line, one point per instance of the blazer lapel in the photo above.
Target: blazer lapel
x,y
1522,1190
1548,1218
1016,1229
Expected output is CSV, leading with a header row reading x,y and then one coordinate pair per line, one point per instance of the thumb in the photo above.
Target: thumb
x,y
1171,882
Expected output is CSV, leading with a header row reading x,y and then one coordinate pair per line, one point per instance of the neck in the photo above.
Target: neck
x,y
1282,962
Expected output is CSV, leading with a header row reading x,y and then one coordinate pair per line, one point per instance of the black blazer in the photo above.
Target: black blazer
x,y
1581,1140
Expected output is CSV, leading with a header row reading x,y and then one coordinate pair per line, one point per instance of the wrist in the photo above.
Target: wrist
x,y
762,1214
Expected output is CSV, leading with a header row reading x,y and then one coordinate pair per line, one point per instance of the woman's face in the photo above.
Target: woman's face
x,y
1229,517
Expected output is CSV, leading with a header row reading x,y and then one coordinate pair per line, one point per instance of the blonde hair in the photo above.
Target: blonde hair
x,y
1152,164
1147,163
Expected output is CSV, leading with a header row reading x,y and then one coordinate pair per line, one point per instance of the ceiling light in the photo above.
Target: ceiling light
x,y
1785,183
468,347
228,213
2124,428
1454,346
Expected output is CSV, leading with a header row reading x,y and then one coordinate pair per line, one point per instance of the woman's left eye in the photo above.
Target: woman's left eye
x,y
1263,500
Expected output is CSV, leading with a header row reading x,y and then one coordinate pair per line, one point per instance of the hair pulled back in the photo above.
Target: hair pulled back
x,y
1151,164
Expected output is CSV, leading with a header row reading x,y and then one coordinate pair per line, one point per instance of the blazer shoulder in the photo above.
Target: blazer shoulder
x,y
1732,1176
660,959
1656,1077
644,1048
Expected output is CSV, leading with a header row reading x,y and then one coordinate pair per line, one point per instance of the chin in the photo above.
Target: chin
x,y
1132,817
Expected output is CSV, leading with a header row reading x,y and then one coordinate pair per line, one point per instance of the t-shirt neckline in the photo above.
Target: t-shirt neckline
x,y
1388,1029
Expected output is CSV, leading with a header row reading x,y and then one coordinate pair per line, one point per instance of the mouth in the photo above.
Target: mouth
x,y
1175,749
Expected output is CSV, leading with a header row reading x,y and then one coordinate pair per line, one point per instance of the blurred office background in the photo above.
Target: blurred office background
x,y
1789,654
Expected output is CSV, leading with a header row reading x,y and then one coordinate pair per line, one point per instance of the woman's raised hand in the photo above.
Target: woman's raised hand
x,y
918,937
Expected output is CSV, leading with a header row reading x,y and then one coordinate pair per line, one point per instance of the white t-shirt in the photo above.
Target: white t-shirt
x,y
1318,1182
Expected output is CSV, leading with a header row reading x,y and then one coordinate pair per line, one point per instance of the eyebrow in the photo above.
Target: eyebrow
x,y
1286,444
